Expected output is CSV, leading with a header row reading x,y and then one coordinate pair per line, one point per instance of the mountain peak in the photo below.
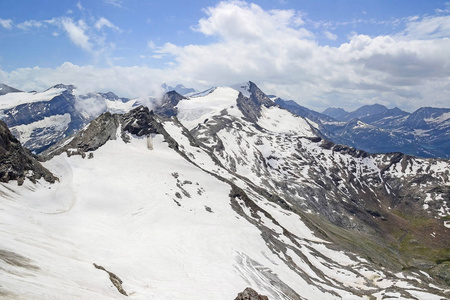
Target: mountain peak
x,y
6,89
168,104
68,87
250,100
336,113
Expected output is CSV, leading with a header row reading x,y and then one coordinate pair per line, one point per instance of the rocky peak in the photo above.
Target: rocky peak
x,y
16,162
140,121
251,106
109,96
169,103
69,87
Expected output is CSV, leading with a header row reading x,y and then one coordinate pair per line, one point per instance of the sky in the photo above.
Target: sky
x,y
322,53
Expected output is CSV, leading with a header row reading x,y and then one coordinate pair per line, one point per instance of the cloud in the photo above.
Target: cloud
x,y
29,24
329,35
102,22
116,3
151,45
6,23
124,81
270,48
77,33
431,27
238,20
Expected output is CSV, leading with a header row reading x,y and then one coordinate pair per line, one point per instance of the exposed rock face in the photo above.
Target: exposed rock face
x,y
169,101
16,162
250,294
251,106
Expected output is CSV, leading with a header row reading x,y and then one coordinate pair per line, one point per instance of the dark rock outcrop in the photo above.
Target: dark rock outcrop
x,y
115,280
250,294
17,162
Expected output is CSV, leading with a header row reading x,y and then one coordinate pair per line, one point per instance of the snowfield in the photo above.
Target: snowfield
x,y
14,99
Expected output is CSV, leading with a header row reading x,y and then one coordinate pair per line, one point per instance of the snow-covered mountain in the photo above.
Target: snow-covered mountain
x,y
39,120
377,129
224,192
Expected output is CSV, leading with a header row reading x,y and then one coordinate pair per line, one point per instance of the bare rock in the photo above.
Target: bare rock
x,y
250,294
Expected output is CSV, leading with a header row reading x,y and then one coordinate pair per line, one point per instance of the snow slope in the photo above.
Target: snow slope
x,y
14,99
197,109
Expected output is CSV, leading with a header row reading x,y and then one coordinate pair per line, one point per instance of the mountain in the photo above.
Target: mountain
x,y
179,88
377,129
39,120
168,104
365,111
336,113
5,89
230,192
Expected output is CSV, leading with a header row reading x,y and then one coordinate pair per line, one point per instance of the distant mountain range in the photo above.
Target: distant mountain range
x,y
377,129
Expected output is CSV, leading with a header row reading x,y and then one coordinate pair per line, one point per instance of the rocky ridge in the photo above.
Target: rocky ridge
x,y
16,162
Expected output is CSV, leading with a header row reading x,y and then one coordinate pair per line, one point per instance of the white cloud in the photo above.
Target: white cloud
x,y
239,20
151,45
409,70
6,23
79,6
329,35
124,81
117,3
430,27
76,33
29,24
269,48
102,22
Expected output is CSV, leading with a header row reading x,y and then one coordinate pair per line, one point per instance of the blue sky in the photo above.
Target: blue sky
x,y
319,53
